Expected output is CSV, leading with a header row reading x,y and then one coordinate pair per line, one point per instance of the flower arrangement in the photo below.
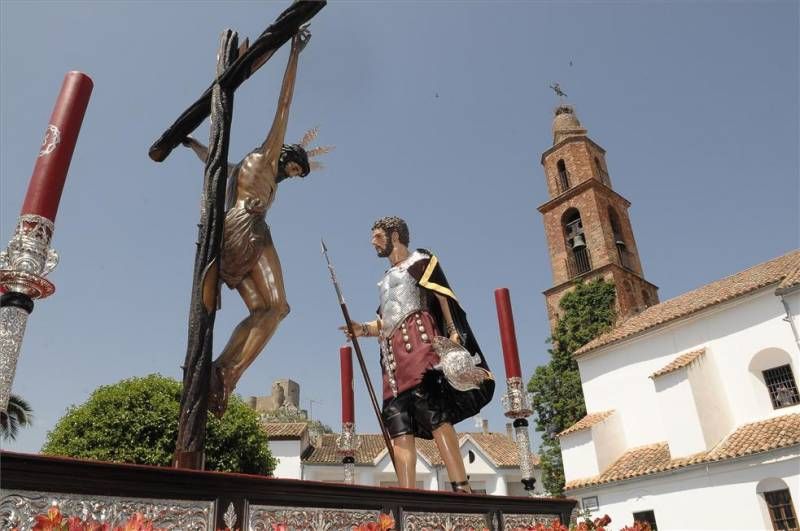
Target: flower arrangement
x,y
385,523
55,521
555,525
599,524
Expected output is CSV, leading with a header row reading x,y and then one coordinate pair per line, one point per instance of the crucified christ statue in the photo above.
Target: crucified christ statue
x,y
248,260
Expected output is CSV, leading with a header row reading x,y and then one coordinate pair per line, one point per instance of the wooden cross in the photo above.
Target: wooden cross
x,y
234,65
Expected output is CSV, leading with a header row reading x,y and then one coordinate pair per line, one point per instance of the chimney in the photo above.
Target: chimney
x,y
485,425
509,431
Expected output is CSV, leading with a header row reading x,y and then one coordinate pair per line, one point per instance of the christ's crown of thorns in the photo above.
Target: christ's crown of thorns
x,y
309,137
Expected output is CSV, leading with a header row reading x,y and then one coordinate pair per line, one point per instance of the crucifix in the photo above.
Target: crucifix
x,y
234,244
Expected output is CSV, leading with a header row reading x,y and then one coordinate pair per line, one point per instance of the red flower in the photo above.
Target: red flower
x,y
605,520
50,522
386,522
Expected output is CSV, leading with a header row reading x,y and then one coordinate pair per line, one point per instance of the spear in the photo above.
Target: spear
x,y
359,355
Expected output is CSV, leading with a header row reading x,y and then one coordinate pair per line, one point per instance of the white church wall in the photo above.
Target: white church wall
x,y
679,413
579,455
609,440
617,377
758,325
711,401
720,496
288,455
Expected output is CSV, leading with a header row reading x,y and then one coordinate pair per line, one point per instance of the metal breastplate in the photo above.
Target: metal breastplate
x,y
400,295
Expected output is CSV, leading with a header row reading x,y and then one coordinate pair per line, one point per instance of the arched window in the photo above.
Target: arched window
x,y
778,501
578,259
619,240
774,379
563,176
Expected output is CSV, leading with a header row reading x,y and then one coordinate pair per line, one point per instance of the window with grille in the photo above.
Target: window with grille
x,y
648,517
782,387
781,511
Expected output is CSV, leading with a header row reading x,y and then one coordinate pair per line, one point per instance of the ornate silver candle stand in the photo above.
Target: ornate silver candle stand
x,y
23,266
517,403
347,443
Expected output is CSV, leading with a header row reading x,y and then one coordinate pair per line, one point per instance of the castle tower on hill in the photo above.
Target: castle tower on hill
x,y
589,233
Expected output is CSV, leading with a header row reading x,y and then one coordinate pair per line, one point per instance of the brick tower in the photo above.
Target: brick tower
x,y
589,233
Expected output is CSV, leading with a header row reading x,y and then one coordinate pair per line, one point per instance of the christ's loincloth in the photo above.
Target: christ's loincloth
x,y
245,235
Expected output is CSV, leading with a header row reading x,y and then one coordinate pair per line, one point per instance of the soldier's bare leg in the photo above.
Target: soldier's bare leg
x,y
265,297
405,453
447,443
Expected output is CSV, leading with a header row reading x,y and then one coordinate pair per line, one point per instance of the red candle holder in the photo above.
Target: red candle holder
x,y
516,401
28,258
347,442
508,336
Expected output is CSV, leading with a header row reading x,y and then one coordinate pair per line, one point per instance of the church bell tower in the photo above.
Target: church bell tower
x,y
589,233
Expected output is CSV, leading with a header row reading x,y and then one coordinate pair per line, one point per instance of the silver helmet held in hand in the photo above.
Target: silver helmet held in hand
x,y
460,368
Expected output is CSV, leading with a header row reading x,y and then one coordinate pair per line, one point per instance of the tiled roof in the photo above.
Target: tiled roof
x,y
498,447
285,430
778,432
325,453
587,422
792,280
678,363
749,280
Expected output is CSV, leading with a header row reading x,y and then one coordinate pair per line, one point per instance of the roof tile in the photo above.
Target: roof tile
x,y
770,434
749,280
285,430
587,422
498,447
678,363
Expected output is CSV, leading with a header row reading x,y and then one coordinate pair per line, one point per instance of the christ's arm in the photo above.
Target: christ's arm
x,y
201,151
277,132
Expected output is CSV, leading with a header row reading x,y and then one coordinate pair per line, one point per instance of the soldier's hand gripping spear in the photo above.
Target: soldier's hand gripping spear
x,y
359,355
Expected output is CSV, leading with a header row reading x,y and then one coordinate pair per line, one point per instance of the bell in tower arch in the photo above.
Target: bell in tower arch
x,y
578,241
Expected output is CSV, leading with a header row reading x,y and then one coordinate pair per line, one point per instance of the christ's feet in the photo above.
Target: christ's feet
x,y
219,392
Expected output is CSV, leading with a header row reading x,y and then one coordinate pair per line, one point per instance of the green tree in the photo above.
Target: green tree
x,y
586,312
136,421
17,414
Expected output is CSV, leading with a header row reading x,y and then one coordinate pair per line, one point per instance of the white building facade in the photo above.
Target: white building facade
x,y
490,459
693,409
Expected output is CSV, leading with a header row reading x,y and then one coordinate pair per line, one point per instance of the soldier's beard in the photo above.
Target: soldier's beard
x,y
384,252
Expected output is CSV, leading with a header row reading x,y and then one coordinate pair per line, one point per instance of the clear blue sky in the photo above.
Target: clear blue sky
x,y
696,104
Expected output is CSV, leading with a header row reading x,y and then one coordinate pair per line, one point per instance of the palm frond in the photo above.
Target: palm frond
x,y
17,414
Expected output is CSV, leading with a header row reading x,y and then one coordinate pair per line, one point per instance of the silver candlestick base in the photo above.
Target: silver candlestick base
x,y
518,405
23,266
517,402
347,443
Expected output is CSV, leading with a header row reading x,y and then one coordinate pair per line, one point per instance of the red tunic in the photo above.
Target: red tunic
x,y
413,352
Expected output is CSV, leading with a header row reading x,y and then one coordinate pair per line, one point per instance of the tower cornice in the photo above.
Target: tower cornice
x,y
569,140
597,272
578,189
